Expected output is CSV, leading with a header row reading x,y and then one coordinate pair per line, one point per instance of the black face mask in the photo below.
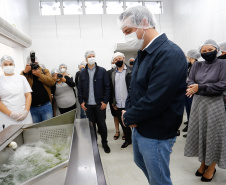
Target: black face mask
x,y
222,57
119,63
131,63
210,56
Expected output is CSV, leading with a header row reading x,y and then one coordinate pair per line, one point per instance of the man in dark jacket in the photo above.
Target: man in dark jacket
x,y
120,82
155,103
94,94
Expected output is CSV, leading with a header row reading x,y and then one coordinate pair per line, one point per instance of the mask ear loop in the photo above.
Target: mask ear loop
x,y
142,36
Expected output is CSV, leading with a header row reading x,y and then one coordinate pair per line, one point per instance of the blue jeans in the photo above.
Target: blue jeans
x,y
153,158
41,113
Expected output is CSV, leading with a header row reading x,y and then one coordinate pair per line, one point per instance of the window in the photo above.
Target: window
x,y
50,8
75,7
72,7
94,7
114,7
132,4
154,7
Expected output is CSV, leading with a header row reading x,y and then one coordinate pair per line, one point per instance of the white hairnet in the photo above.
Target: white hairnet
x,y
87,53
193,53
137,17
42,66
212,43
62,65
54,71
6,58
83,63
118,54
223,46
29,59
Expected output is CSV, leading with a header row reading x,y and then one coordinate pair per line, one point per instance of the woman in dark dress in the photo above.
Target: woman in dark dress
x,y
206,138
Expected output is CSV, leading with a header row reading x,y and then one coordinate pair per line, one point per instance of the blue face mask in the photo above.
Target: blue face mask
x,y
82,69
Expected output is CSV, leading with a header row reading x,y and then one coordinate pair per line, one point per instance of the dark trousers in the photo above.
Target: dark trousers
x,y
188,102
64,110
126,130
97,117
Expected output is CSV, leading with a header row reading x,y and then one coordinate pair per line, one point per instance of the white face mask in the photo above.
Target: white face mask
x,y
8,69
113,66
133,41
62,70
91,60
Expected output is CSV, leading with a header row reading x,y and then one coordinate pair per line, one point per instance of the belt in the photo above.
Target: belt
x,y
39,105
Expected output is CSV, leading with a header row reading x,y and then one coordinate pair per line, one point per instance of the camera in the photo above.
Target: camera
x,y
33,64
59,75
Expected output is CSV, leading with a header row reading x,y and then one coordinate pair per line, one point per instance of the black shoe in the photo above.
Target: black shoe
x,y
203,179
124,145
198,174
185,129
185,135
186,122
106,148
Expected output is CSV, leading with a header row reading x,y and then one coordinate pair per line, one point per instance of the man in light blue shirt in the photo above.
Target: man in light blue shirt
x,y
120,80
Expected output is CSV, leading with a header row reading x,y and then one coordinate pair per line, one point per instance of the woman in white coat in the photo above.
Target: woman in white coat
x,y
15,96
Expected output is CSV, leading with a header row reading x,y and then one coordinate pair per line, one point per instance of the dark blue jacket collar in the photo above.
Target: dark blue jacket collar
x,y
156,43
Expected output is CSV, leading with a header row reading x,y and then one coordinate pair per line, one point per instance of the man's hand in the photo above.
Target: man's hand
x,y
132,126
36,72
103,106
192,89
83,106
63,79
55,77
27,68
115,107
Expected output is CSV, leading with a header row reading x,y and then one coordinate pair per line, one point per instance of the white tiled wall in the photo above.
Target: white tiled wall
x,y
16,13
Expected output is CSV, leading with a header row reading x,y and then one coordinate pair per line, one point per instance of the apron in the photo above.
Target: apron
x,y
13,97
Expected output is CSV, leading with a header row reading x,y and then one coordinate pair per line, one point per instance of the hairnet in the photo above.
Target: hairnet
x,y
54,71
223,46
135,17
83,63
193,53
29,59
118,54
6,58
212,43
62,65
42,66
87,53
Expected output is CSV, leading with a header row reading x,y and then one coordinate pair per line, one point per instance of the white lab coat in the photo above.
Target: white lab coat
x,y
12,95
